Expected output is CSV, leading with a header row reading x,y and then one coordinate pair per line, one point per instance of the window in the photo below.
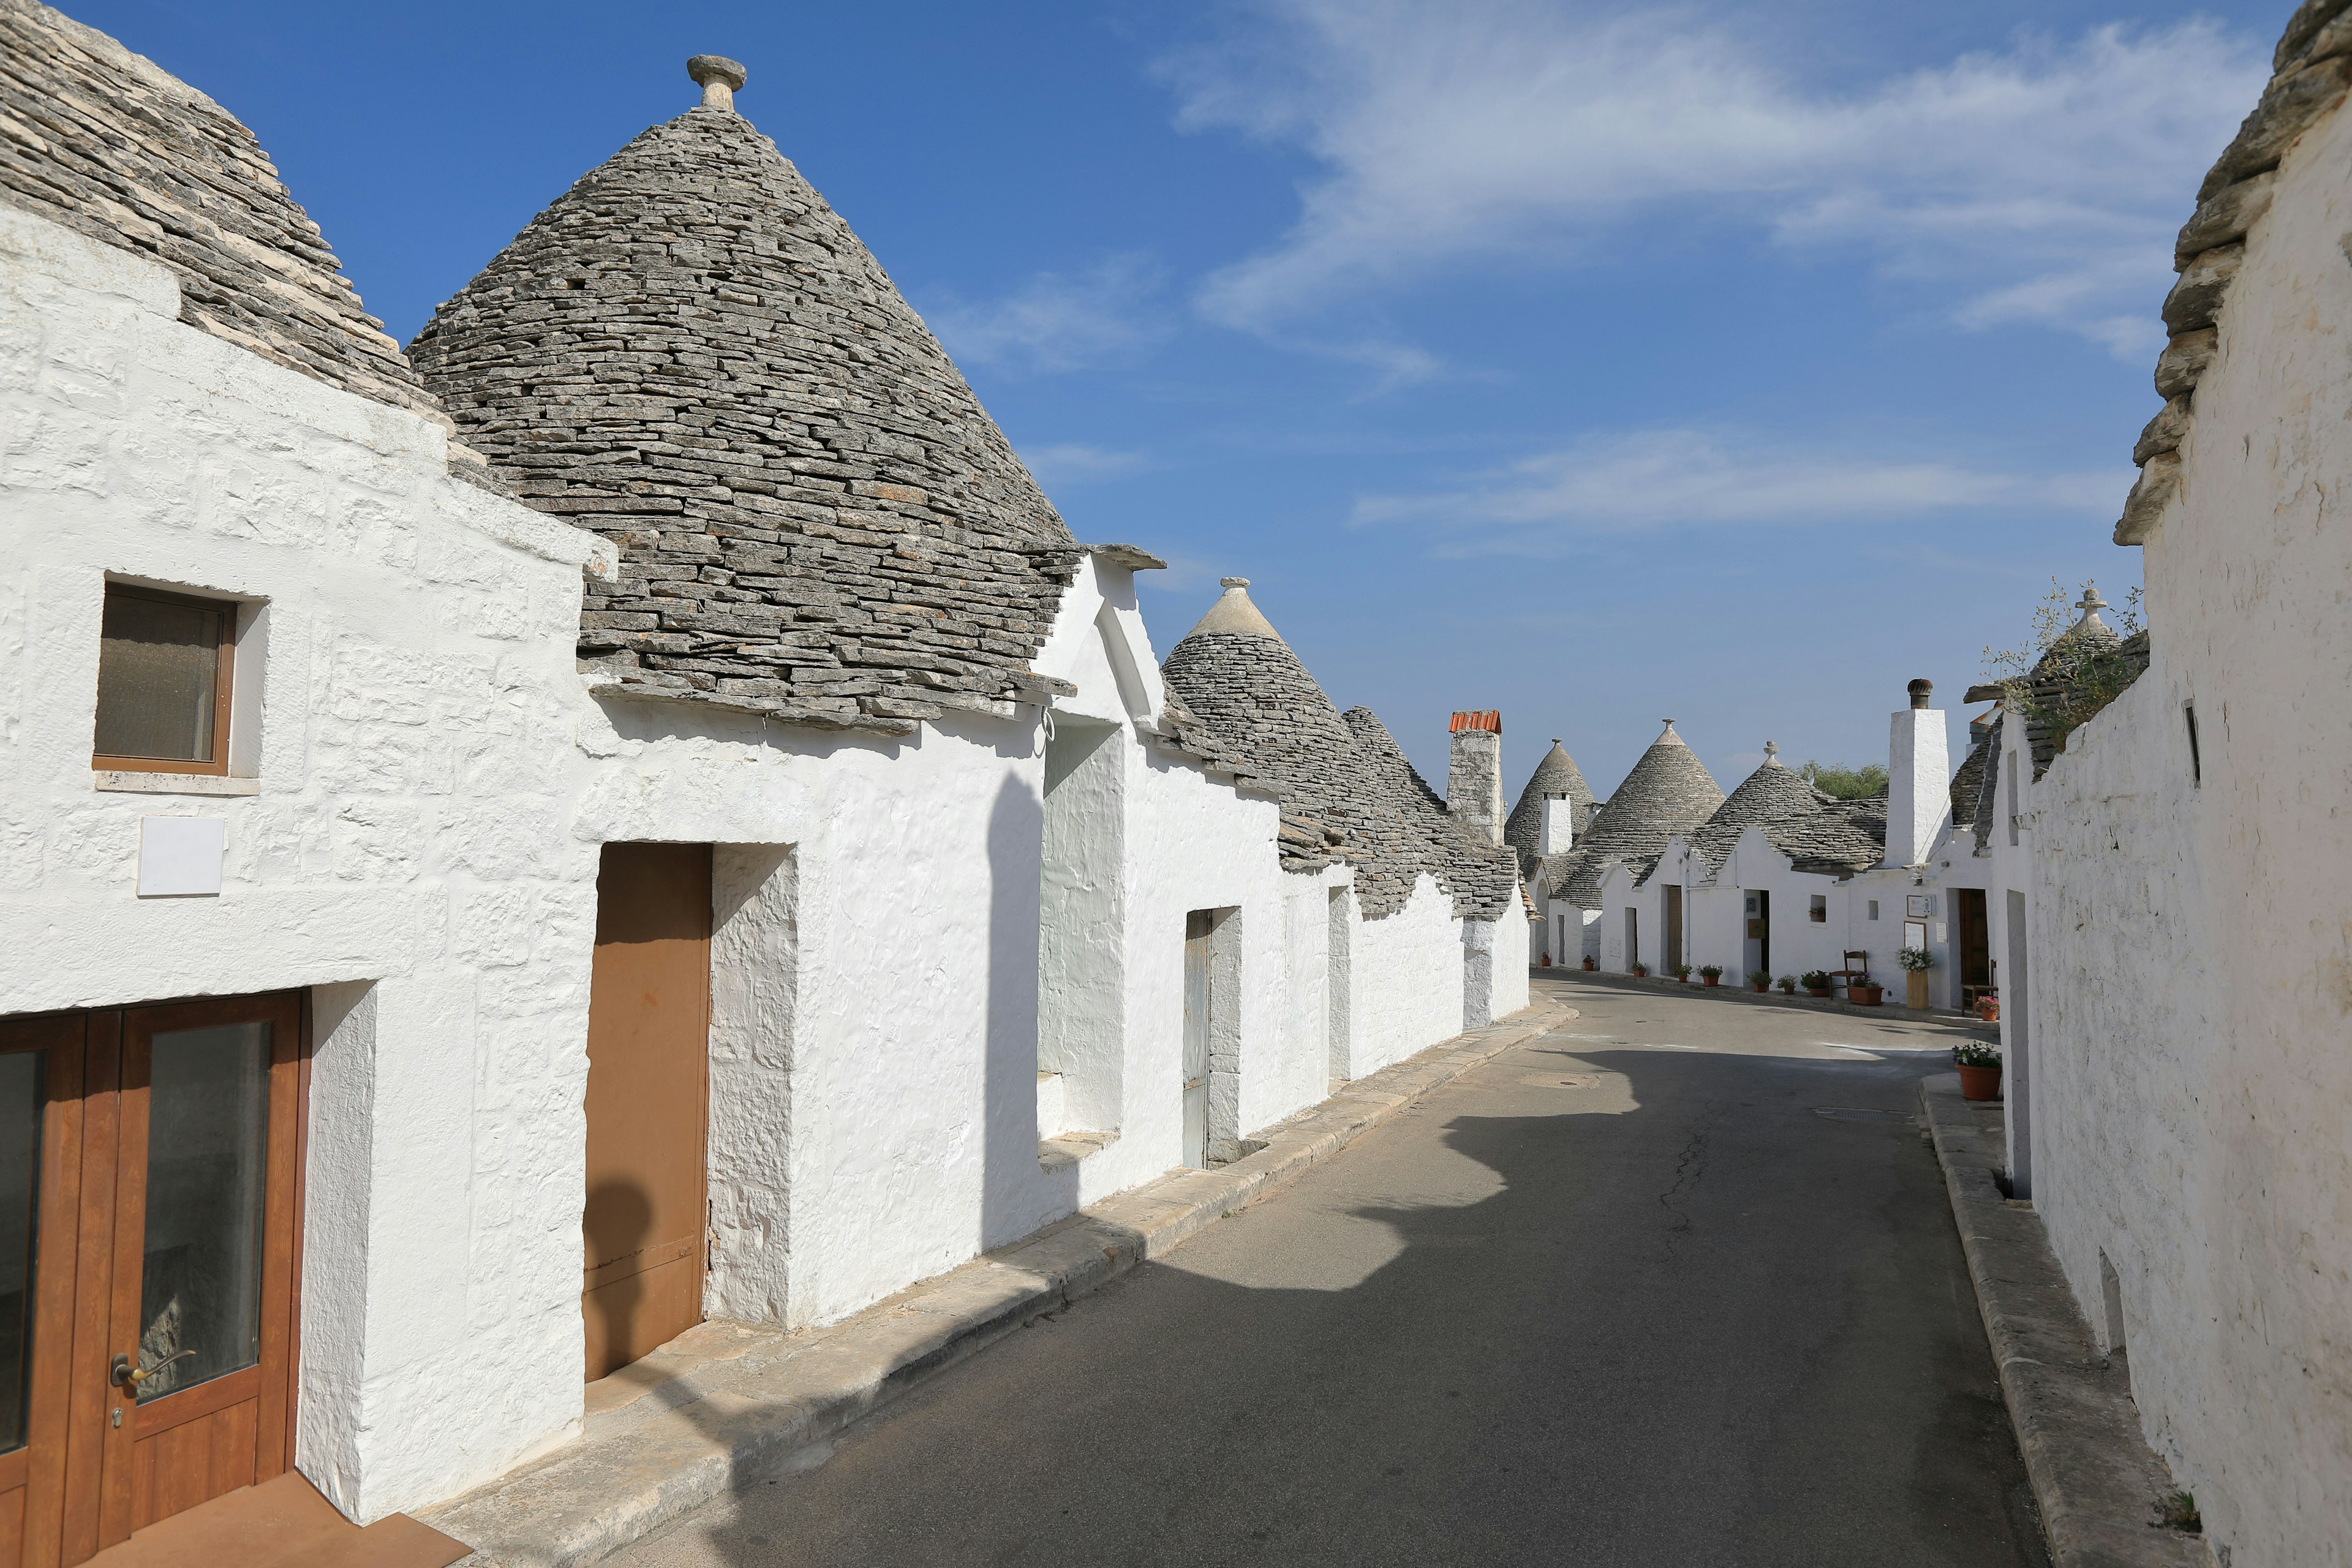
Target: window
x,y
163,682
1874,909
1818,913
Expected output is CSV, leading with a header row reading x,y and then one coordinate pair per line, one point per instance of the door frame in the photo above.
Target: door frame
x,y
79,1494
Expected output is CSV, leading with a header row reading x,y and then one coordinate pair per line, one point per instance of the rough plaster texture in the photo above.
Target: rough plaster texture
x,y
406,835
2191,942
754,965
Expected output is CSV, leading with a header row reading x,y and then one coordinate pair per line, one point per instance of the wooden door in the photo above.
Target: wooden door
x,y
41,1111
1975,945
649,1099
1198,927
155,1340
1673,926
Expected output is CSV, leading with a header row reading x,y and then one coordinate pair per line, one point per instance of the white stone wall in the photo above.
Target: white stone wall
x,y
406,704
1408,966
427,787
2192,940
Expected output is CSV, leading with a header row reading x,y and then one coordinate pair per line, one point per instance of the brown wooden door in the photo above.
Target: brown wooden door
x,y
648,1096
1976,946
154,1343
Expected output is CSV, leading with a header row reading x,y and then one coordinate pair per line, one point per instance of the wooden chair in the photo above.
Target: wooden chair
x,y
1856,971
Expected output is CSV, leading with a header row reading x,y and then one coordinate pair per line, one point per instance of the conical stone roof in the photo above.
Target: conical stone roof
x,y
690,352
1771,798
1668,791
1482,877
109,143
1556,777
1234,675
1818,832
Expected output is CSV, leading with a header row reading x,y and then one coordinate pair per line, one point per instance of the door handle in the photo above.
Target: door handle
x,y
122,1374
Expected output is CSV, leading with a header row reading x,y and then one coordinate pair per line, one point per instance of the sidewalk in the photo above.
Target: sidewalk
x,y
1963,1024
2094,1476
726,1403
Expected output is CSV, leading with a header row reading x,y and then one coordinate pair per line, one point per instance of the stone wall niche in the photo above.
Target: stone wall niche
x,y
1081,1018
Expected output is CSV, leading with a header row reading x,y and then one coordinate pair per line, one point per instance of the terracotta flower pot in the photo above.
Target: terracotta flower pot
x,y
1547,961
1759,989
1811,991
1589,965
1980,1083
1710,979
1915,989
1865,995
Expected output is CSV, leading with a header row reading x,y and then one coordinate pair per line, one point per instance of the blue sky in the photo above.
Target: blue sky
x,y
1593,363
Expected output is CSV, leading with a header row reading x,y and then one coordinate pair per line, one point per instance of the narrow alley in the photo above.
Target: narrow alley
x,y
1675,1283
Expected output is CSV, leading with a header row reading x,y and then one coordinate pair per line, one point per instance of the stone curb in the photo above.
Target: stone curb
x,y
2095,1478
770,1398
1891,1012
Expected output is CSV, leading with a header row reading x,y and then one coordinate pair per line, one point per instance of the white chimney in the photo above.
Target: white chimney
x,y
1474,779
1918,780
1558,833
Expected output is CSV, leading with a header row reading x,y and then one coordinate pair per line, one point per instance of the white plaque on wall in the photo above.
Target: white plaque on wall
x,y
180,857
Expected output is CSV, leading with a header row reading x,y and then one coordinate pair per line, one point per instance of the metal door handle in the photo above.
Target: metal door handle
x,y
124,1376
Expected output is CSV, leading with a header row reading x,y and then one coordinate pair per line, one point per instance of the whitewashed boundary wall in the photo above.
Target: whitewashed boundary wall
x,y
2191,926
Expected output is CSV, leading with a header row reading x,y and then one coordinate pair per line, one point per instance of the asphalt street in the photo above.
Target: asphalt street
x,y
1674,1284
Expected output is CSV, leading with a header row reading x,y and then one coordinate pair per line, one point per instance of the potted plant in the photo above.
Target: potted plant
x,y
1865,993
1759,980
1591,963
1638,969
1788,985
1682,972
1979,1065
1916,963
1710,973
1988,1007
1816,981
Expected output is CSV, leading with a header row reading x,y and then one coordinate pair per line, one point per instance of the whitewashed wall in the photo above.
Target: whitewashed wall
x,y
418,842
2192,942
1408,966
405,846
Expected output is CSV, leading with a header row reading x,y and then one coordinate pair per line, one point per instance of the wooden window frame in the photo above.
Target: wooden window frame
x,y
224,685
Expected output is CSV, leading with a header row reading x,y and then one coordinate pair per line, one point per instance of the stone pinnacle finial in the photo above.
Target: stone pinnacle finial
x,y
1919,691
1772,753
1232,582
720,77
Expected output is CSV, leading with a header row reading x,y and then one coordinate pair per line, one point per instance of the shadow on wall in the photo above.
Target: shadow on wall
x,y
1614,1342
617,1220
1016,1196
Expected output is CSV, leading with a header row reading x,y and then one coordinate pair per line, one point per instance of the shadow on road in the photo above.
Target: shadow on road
x,y
1662,1313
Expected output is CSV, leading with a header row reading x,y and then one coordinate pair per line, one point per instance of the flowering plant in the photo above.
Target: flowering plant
x,y
1916,959
1976,1054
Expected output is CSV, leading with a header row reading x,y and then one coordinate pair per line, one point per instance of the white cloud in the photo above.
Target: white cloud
x,y
1057,320
1656,478
1074,463
2042,184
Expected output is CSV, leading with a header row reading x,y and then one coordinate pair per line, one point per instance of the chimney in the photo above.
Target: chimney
x,y
1918,780
720,78
1474,779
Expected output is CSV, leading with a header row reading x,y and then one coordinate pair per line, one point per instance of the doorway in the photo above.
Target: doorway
x,y
2017,1031
648,1100
1760,931
150,1231
1673,920
1633,937
1975,945
1200,929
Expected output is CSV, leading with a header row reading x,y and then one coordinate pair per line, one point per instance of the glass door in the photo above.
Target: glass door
x,y
148,1223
